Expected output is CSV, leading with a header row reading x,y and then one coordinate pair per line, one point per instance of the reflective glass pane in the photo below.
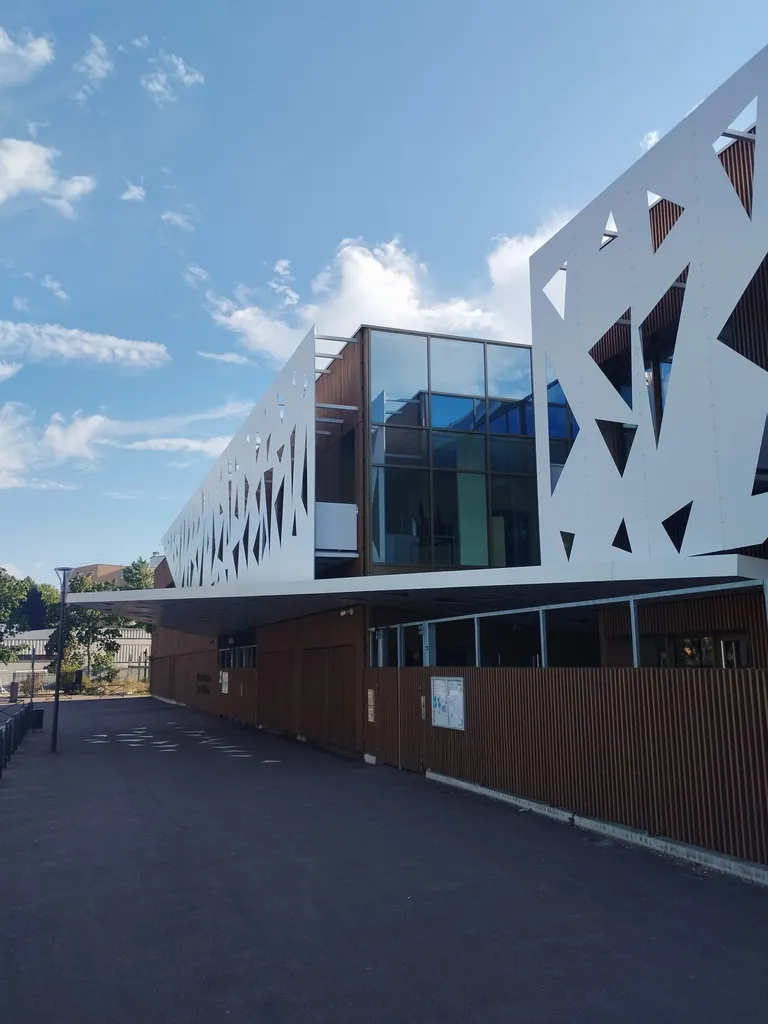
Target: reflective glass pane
x,y
510,417
398,377
558,421
400,516
555,393
398,446
513,455
460,519
455,413
514,521
458,451
457,366
509,371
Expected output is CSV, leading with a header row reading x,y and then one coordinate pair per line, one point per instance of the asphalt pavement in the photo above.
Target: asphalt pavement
x,y
170,867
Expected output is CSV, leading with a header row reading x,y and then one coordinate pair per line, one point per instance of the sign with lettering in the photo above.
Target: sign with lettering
x,y
371,705
448,702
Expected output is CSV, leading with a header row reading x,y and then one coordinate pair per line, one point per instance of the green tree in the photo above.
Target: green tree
x,y
12,594
40,607
104,669
139,575
87,632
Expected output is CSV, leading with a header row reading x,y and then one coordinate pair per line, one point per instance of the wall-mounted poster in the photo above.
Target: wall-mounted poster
x,y
224,678
448,702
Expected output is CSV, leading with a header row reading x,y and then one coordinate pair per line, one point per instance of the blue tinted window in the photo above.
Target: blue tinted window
x,y
457,366
513,455
555,393
457,413
458,451
558,421
509,371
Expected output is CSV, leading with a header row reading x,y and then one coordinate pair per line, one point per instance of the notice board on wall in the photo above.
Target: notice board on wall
x,y
448,702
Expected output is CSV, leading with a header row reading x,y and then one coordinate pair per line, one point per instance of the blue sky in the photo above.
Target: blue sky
x,y
174,184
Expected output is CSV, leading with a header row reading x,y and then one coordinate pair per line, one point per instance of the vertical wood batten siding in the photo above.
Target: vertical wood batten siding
x,y
679,753
721,613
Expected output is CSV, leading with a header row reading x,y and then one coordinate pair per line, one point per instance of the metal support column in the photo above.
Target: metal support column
x,y
543,637
635,633
478,660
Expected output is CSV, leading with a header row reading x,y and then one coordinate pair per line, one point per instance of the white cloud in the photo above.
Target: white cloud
x,y
8,370
123,495
649,139
209,446
194,275
95,65
387,285
26,167
33,127
54,287
141,43
227,357
27,451
22,59
35,343
134,193
178,220
279,283
167,72
20,303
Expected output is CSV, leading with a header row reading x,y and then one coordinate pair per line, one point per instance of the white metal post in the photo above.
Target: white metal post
x,y
635,633
543,637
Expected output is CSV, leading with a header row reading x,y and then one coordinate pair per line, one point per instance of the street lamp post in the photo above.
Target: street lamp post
x,y
61,572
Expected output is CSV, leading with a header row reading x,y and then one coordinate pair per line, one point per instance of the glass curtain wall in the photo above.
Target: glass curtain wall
x,y
452,453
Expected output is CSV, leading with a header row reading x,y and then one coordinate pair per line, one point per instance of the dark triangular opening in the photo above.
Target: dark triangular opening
x,y
732,137
663,214
257,495
658,334
293,530
304,483
567,539
562,425
246,491
246,539
612,353
280,451
237,505
677,524
220,554
621,540
236,556
279,512
269,442
743,331
760,486
619,438
257,545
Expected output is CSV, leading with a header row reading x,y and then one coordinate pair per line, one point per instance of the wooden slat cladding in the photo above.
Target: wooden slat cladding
x,y
742,612
342,386
308,679
171,642
680,753
738,160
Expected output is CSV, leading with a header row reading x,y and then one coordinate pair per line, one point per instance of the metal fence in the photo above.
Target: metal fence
x,y
15,721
